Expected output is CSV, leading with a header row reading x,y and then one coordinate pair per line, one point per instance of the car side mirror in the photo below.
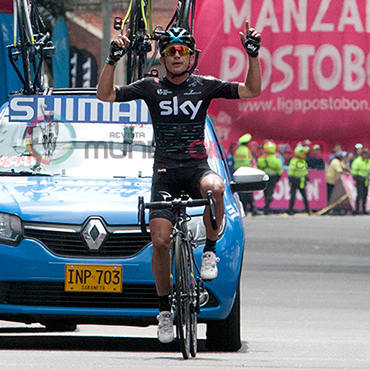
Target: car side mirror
x,y
248,179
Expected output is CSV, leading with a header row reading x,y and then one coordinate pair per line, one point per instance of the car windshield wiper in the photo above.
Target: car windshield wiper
x,y
23,173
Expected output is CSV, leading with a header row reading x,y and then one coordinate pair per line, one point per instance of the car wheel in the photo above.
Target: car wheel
x,y
224,335
56,325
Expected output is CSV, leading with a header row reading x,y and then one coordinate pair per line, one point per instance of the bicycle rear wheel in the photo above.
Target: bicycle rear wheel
x,y
182,296
30,28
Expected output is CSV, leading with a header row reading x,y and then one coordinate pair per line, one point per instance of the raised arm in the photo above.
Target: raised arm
x,y
252,86
106,90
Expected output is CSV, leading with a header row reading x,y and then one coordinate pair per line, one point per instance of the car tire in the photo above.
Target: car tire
x,y
61,326
224,335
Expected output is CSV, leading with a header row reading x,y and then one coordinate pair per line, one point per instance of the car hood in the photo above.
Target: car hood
x,y
72,201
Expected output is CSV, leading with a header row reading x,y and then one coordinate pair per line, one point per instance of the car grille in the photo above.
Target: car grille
x,y
72,244
52,294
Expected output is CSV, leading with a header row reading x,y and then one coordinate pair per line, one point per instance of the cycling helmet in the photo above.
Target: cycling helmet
x,y
176,35
269,147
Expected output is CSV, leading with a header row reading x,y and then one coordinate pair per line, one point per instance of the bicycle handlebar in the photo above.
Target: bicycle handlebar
x,y
178,202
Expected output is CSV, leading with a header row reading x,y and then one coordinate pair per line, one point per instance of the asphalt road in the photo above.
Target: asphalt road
x,y
306,285
305,305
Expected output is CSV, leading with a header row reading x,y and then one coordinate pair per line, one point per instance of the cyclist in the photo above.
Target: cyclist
x,y
178,106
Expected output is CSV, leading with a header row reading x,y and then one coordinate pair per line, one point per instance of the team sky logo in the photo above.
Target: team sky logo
x,y
169,107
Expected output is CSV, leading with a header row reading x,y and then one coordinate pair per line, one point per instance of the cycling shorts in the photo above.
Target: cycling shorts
x,y
173,181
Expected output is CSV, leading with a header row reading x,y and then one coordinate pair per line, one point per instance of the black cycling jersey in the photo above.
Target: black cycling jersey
x,y
178,114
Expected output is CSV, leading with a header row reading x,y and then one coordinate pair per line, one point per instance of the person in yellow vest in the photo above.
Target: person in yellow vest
x,y
298,177
269,163
360,173
243,157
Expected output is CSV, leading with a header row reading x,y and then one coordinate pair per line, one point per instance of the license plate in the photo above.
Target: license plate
x,y
93,278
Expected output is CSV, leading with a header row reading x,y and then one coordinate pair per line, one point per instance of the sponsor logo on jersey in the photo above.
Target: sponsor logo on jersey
x,y
192,92
163,92
169,107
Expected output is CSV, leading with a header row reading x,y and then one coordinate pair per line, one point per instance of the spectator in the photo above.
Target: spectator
x,y
335,169
272,165
243,157
315,161
337,149
298,177
285,157
360,172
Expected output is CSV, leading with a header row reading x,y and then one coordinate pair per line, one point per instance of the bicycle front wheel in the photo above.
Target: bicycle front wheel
x,y
183,294
193,330
184,15
139,43
26,41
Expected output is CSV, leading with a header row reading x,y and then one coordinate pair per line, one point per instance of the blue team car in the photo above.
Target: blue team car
x,y
71,250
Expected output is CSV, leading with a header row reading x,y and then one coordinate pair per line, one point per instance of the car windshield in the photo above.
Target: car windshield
x,y
79,150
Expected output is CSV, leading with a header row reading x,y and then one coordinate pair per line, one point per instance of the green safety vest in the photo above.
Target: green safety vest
x,y
298,167
361,167
270,164
242,157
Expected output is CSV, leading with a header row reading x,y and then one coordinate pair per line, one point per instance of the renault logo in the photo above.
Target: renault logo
x,y
94,234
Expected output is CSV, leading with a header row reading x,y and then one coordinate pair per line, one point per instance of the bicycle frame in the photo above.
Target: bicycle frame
x,y
185,288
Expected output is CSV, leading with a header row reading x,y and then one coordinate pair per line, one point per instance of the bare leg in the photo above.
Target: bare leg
x,y
215,183
161,230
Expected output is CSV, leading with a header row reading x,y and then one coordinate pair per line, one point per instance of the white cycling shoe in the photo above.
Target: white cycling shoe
x,y
209,269
165,327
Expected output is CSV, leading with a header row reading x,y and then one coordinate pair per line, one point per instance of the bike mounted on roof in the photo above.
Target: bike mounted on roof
x,y
32,43
143,37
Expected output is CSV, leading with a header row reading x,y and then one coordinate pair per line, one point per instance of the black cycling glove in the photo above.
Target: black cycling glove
x,y
116,52
251,44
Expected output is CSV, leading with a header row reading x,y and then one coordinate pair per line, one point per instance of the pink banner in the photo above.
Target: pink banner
x,y
316,193
315,64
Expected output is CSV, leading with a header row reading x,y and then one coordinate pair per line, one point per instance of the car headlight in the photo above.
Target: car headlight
x,y
196,226
10,228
